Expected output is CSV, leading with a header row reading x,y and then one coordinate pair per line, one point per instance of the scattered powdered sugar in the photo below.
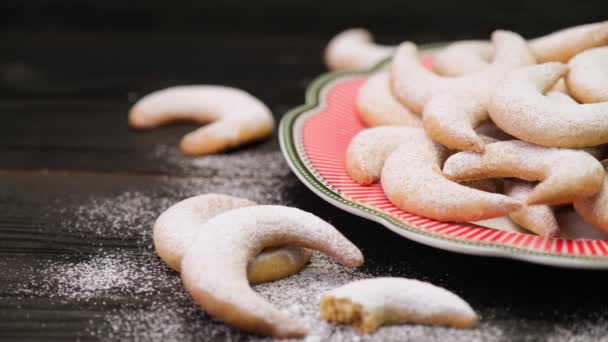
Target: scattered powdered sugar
x,y
137,298
108,273
127,216
241,163
177,318
596,330
263,177
130,294
124,217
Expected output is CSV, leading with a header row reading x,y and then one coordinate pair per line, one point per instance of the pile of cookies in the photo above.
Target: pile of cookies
x,y
527,120
462,142
220,244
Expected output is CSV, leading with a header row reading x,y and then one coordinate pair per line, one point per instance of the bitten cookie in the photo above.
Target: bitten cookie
x,y
370,303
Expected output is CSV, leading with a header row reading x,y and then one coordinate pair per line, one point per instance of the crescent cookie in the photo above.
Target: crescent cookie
x,y
464,57
370,303
538,218
562,45
353,50
378,107
560,182
594,209
214,268
232,116
453,106
587,79
369,149
177,227
412,180
520,108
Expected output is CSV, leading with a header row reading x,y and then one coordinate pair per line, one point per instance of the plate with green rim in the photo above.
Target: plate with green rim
x,y
314,137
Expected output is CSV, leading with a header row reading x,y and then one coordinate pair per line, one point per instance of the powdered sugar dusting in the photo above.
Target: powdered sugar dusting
x,y
412,180
588,76
369,149
216,261
415,299
234,116
354,49
108,273
518,106
175,229
127,215
176,318
560,182
378,106
415,86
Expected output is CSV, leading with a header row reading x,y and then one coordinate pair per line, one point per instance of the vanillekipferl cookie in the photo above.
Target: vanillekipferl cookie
x,y
177,227
378,106
452,107
520,107
537,218
412,180
370,303
231,116
214,269
464,57
559,182
587,79
354,49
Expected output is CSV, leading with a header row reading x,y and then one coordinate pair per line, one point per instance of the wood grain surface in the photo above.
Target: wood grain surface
x,y
79,190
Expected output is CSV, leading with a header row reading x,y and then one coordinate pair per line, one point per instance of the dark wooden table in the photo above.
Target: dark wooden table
x,y
79,192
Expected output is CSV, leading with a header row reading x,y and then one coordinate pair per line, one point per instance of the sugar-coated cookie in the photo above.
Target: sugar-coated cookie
x,y
594,209
453,106
562,45
354,49
369,149
176,228
378,106
464,57
519,107
412,180
214,269
231,116
370,303
560,182
538,218
587,79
